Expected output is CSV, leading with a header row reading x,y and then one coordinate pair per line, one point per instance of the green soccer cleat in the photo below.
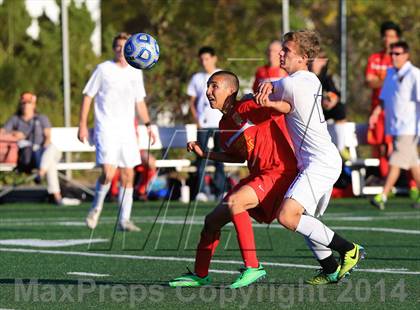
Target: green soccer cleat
x,y
416,204
248,276
350,260
413,193
190,280
379,201
324,278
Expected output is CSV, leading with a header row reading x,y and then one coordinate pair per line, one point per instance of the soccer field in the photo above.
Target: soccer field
x,y
49,260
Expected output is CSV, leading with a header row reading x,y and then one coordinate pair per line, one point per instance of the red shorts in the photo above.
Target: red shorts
x,y
270,187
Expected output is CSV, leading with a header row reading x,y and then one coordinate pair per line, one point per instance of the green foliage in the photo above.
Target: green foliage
x,y
36,65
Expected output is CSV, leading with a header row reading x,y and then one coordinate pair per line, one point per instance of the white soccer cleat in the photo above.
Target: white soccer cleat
x,y
93,218
128,226
201,197
69,202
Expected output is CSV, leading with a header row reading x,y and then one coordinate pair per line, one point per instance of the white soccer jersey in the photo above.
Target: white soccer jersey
x,y
306,123
116,90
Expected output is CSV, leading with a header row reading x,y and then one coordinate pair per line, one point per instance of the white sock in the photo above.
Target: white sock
x,y
315,230
100,194
340,130
125,200
320,252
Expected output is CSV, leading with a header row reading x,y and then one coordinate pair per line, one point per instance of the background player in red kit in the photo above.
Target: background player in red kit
x,y
248,132
271,71
375,73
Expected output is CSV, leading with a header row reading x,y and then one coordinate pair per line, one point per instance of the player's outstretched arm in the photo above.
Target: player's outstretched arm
x,y
195,147
281,106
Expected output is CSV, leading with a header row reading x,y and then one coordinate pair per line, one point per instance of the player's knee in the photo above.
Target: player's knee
x,y
235,204
107,177
287,219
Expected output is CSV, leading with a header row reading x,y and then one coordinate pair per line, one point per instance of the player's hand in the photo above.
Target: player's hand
x,y
195,147
83,134
373,119
151,135
263,100
265,88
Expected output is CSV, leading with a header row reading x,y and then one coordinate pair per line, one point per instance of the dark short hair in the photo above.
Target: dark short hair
x,y
402,44
206,50
120,36
389,25
230,77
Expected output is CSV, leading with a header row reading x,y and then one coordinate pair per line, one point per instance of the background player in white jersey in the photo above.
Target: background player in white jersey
x,y
319,163
119,92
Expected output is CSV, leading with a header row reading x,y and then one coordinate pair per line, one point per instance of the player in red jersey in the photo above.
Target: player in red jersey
x,y
248,132
375,73
271,71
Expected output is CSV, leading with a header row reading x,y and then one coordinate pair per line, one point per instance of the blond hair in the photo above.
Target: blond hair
x,y
307,42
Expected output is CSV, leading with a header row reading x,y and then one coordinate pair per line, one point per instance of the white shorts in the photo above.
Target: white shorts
x,y
313,189
116,152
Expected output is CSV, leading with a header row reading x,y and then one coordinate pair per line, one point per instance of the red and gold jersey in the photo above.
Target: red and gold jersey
x,y
267,74
377,65
259,135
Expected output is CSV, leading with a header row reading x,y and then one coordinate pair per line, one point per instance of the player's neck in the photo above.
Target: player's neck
x,y
228,106
210,70
120,63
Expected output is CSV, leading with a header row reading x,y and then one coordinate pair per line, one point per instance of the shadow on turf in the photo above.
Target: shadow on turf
x,y
79,281
143,283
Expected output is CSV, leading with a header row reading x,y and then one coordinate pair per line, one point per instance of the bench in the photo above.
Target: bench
x,y
65,139
167,138
355,136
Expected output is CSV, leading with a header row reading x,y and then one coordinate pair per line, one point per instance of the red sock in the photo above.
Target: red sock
x,y
146,176
205,250
115,184
383,166
245,236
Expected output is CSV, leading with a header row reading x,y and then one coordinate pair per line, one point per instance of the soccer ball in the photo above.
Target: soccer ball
x,y
141,51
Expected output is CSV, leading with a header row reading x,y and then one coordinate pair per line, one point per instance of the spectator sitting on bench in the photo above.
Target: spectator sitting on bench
x,y
33,132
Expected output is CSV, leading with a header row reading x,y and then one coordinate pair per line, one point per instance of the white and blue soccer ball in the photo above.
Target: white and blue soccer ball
x,y
141,51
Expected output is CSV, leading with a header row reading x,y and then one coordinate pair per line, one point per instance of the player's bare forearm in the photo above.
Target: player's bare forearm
x,y
279,106
193,109
223,157
84,111
143,112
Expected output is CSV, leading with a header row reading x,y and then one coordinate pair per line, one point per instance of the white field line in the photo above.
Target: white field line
x,y
187,259
40,243
223,271
333,217
88,274
200,222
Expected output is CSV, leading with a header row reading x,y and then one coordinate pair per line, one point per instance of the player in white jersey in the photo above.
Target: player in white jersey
x,y
119,92
319,163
